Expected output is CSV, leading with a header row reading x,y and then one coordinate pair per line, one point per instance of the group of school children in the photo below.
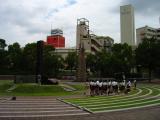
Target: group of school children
x,y
111,87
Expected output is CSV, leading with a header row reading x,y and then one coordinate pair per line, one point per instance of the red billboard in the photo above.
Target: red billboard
x,y
57,41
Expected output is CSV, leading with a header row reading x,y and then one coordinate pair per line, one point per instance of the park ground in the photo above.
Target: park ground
x,y
140,104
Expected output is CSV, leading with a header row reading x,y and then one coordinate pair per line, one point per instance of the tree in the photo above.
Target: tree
x,y
90,62
3,57
29,58
51,61
2,44
15,58
123,56
105,64
99,63
147,55
71,60
102,63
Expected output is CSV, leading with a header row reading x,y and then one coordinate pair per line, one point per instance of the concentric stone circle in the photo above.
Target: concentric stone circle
x,y
144,96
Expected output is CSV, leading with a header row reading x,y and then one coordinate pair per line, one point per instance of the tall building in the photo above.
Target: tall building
x,y
127,24
56,38
147,32
91,42
82,36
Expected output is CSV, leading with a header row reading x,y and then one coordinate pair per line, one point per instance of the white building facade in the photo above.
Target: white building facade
x,y
147,32
127,25
91,42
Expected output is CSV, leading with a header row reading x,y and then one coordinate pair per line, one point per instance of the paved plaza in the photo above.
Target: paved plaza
x,y
25,107
141,104
49,108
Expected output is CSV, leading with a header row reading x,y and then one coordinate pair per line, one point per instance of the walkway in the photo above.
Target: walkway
x,y
25,107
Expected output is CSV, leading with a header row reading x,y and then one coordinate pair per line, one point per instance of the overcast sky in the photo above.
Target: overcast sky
x,y
27,21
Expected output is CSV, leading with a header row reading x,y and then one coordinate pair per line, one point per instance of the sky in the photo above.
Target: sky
x,y
27,21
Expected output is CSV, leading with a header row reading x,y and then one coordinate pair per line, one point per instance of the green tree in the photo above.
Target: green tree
x,y
90,62
147,55
123,56
29,58
2,44
71,60
51,61
102,63
15,58
105,64
3,57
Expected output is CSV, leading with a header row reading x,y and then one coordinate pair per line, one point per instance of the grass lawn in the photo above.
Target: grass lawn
x,y
149,95
37,90
4,85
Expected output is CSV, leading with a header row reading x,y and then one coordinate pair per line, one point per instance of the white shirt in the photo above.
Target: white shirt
x,y
104,83
100,84
113,83
129,83
91,83
109,83
123,83
97,82
94,84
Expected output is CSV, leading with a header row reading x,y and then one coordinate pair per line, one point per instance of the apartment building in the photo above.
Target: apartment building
x,y
91,42
147,32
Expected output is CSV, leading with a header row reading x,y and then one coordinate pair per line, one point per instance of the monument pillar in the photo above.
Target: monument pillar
x,y
81,69
39,62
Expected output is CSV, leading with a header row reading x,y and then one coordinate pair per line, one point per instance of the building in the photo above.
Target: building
x,y
106,42
127,25
64,51
91,42
147,32
82,35
56,38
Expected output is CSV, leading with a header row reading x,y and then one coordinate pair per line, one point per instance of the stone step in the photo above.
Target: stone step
x,y
32,105
17,103
10,117
40,113
34,108
35,101
37,109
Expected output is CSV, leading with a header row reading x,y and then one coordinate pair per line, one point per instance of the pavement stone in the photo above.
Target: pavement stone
x,y
148,113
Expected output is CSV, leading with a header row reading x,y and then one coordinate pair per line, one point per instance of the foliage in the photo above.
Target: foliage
x,y
71,60
29,58
106,64
2,44
51,62
3,57
15,57
147,54
121,58
91,62
18,60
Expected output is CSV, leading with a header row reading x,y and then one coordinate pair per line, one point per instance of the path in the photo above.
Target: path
x,y
25,107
